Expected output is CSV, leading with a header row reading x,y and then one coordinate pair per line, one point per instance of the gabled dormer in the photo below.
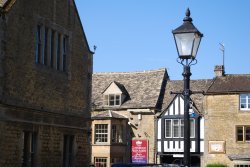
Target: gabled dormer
x,y
115,94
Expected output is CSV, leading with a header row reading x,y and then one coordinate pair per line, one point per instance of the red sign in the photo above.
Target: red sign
x,y
139,151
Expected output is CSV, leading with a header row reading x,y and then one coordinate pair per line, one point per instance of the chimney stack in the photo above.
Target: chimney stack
x,y
219,71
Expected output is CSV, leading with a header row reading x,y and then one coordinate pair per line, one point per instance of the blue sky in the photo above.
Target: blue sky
x,y
136,35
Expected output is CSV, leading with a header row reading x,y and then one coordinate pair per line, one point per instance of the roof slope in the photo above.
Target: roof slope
x,y
230,84
143,87
6,4
177,86
2,2
108,114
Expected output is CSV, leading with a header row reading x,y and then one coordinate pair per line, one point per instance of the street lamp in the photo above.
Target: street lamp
x,y
187,39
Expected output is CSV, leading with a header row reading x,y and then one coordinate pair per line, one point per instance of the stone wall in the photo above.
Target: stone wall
x,y
38,86
50,145
140,129
221,118
38,98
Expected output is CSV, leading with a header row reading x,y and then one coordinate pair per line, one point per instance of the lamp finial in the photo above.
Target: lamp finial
x,y
188,18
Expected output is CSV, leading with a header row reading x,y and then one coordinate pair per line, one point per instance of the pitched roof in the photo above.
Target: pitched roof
x,y
177,86
120,86
2,2
143,87
6,4
108,114
231,83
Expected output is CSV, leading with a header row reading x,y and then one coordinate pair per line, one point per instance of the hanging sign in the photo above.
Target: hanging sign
x,y
139,151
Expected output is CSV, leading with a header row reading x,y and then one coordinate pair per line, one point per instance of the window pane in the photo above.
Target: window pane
x,y
239,133
58,51
106,100
182,128
176,128
247,133
248,101
111,100
101,133
38,44
65,41
101,162
52,42
245,101
167,128
45,46
117,100
117,136
192,128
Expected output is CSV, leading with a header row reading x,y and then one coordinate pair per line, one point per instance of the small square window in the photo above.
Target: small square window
x,y
245,101
243,133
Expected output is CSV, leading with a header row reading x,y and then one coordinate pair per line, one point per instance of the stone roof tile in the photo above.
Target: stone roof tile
x,y
230,84
108,114
177,86
143,87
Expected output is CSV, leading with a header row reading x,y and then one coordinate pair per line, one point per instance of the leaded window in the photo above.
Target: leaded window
x,y
100,161
175,128
101,133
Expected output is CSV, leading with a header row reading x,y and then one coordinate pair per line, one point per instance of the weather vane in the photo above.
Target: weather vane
x,y
94,47
222,48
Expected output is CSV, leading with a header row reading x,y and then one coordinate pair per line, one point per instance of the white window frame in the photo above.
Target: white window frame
x,y
247,103
101,161
117,98
101,132
192,135
180,124
169,128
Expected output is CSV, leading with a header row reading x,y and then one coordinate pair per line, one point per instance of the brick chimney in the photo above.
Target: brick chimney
x,y
219,71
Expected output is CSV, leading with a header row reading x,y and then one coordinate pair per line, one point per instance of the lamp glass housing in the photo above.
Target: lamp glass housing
x,y
187,44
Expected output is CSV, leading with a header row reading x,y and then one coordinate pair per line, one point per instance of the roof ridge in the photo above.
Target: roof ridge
x,y
133,72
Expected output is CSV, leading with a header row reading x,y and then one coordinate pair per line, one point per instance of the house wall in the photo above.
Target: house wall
x,y
34,85
36,98
111,150
143,129
221,118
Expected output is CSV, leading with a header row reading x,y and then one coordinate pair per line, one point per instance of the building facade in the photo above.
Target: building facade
x,y
135,97
110,138
45,85
170,124
227,125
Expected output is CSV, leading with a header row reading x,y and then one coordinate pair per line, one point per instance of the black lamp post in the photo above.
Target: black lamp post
x,y
187,39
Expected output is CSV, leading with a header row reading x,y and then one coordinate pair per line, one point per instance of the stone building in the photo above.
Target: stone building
x,y
170,124
227,132
45,85
227,125
124,108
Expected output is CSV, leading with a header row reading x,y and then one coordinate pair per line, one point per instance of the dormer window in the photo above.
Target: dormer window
x,y
112,100
115,94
